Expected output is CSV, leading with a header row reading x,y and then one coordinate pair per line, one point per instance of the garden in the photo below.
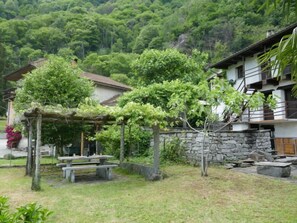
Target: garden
x,y
183,196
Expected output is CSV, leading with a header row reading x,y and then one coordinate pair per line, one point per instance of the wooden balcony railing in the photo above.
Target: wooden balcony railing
x,y
283,110
258,76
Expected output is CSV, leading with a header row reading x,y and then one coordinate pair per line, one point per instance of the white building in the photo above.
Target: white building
x,y
248,76
106,90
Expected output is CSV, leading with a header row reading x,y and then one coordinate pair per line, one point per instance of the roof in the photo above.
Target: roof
x,y
105,81
111,101
18,74
98,79
254,48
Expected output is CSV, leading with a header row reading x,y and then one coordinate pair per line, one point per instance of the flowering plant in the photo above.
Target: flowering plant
x,y
13,137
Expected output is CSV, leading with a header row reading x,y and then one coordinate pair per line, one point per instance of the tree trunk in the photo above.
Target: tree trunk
x,y
36,177
203,156
122,149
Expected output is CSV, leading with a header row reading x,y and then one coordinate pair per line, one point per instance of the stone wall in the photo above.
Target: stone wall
x,y
225,145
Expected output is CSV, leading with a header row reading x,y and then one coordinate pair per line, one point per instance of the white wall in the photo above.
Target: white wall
x,y
279,111
286,130
252,70
103,93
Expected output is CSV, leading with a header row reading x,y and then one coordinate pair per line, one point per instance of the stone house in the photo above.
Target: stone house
x,y
248,75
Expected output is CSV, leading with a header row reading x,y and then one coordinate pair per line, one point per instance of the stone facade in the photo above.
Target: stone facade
x,y
225,145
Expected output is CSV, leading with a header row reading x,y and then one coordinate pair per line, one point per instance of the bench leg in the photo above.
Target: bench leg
x,y
104,173
67,174
108,173
70,176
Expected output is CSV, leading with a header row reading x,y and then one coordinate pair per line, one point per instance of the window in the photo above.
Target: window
x,y
265,71
291,104
240,71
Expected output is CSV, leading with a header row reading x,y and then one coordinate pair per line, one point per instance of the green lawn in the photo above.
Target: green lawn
x,y
2,124
22,161
224,196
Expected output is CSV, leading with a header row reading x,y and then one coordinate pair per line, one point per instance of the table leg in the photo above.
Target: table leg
x,y
67,173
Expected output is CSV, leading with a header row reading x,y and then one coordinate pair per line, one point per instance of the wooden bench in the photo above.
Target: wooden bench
x,y
101,171
274,169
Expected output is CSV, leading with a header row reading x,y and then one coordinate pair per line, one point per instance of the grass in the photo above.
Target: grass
x,y
22,161
3,123
224,196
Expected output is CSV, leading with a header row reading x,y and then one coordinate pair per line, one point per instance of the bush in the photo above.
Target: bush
x,y
137,140
174,151
32,213
13,137
9,156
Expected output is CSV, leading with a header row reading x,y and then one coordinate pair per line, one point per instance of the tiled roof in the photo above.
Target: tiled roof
x,y
105,81
254,48
98,79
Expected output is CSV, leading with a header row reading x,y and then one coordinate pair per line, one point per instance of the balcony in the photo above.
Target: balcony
x,y
259,76
284,111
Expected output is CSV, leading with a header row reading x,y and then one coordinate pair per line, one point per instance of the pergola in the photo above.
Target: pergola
x,y
34,118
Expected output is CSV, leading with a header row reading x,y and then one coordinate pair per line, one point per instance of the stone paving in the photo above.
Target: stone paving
x,y
14,152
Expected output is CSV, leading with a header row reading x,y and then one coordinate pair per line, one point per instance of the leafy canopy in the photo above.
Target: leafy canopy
x,y
56,82
156,66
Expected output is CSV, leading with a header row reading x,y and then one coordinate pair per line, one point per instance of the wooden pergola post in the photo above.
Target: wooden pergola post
x,y
29,152
82,143
36,176
122,146
97,142
156,132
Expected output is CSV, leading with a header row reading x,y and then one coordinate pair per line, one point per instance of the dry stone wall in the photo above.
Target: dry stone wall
x,y
224,146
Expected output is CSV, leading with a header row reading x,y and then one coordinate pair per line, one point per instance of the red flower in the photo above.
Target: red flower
x,y
13,136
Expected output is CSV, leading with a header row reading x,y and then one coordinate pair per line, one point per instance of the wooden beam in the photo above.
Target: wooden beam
x,y
36,176
122,147
156,132
82,144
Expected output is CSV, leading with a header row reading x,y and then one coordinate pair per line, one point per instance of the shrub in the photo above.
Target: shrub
x,y
13,137
174,151
137,140
32,213
9,156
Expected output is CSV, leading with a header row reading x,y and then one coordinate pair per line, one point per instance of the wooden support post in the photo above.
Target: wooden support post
x,y
156,132
36,176
29,152
82,144
97,143
122,149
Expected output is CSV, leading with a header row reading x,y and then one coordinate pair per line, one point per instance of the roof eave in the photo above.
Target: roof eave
x,y
253,48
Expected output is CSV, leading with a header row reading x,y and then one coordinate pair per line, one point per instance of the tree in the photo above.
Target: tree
x,y
176,99
57,82
155,66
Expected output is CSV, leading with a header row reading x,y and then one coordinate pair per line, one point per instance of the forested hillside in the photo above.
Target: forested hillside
x,y
107,35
